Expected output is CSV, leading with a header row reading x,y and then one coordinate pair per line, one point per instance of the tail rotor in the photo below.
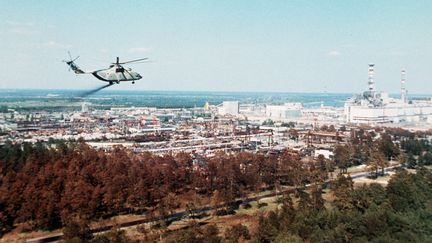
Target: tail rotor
x,y
72,65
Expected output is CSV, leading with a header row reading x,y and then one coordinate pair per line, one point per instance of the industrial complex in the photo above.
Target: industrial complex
x,y
374,107
230,125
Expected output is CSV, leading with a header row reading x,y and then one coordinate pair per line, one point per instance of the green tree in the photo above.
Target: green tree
x,y
342,155
317,201
408,192
287,213
387,147
342,188
288,124
305,202
322,162
411,161
360,154
376,162
184,236
211,234
402,158
268,122
426,158
113,236
285,237
266,231
237,232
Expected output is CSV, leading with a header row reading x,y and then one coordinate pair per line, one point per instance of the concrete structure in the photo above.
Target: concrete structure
x,y
285,111
85,107
324,152
404,92
374,107
229,108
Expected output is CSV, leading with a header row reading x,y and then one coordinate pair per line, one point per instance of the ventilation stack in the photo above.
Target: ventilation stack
x,y
403,88
371,81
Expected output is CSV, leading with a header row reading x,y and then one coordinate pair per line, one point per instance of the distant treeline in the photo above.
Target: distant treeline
x,y
3,109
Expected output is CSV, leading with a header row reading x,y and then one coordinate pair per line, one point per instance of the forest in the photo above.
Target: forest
x,y
401,212
47,186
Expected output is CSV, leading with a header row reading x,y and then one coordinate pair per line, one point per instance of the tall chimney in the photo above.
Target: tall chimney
x,y
403,88
371,81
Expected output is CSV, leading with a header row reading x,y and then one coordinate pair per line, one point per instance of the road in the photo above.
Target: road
x,y
181,214
365,174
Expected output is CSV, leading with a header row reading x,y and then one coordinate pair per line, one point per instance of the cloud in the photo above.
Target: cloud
x,y
54,45
139,50
21,28
20,24
22,31
334,53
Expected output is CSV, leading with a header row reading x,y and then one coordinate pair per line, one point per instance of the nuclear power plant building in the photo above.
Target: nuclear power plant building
x,y
373,107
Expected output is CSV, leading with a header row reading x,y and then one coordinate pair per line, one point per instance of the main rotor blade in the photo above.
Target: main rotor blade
x,y
90,92
139,62
136,60
70,56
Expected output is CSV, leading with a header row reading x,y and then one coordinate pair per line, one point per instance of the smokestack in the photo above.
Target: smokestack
x,y
403,88
371,81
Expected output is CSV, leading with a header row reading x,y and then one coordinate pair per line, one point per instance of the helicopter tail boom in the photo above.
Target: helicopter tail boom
x,y
74,67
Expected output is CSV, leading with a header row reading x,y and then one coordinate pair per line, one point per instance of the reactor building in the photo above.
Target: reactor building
x,y
373,107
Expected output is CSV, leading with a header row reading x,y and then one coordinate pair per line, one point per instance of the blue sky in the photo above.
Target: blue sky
x,y
288,46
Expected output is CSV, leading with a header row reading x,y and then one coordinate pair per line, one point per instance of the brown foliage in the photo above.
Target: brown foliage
x,y
48,185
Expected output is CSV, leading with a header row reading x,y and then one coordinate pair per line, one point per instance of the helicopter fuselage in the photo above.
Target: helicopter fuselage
x,y
116,74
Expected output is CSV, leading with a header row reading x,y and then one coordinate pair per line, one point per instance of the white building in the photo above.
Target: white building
x,y
325,113
390,112
85,107
285,111
229,108
374,107
324,152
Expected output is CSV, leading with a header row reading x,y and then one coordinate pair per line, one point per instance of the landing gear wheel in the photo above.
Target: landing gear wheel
x,y
133,82
111,82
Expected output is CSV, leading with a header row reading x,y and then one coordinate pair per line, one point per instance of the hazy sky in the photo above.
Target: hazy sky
x,y
294,46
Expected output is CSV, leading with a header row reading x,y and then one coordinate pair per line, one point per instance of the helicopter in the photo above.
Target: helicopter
x,y
114,74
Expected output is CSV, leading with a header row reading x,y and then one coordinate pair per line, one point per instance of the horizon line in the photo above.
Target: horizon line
x,y
203,91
